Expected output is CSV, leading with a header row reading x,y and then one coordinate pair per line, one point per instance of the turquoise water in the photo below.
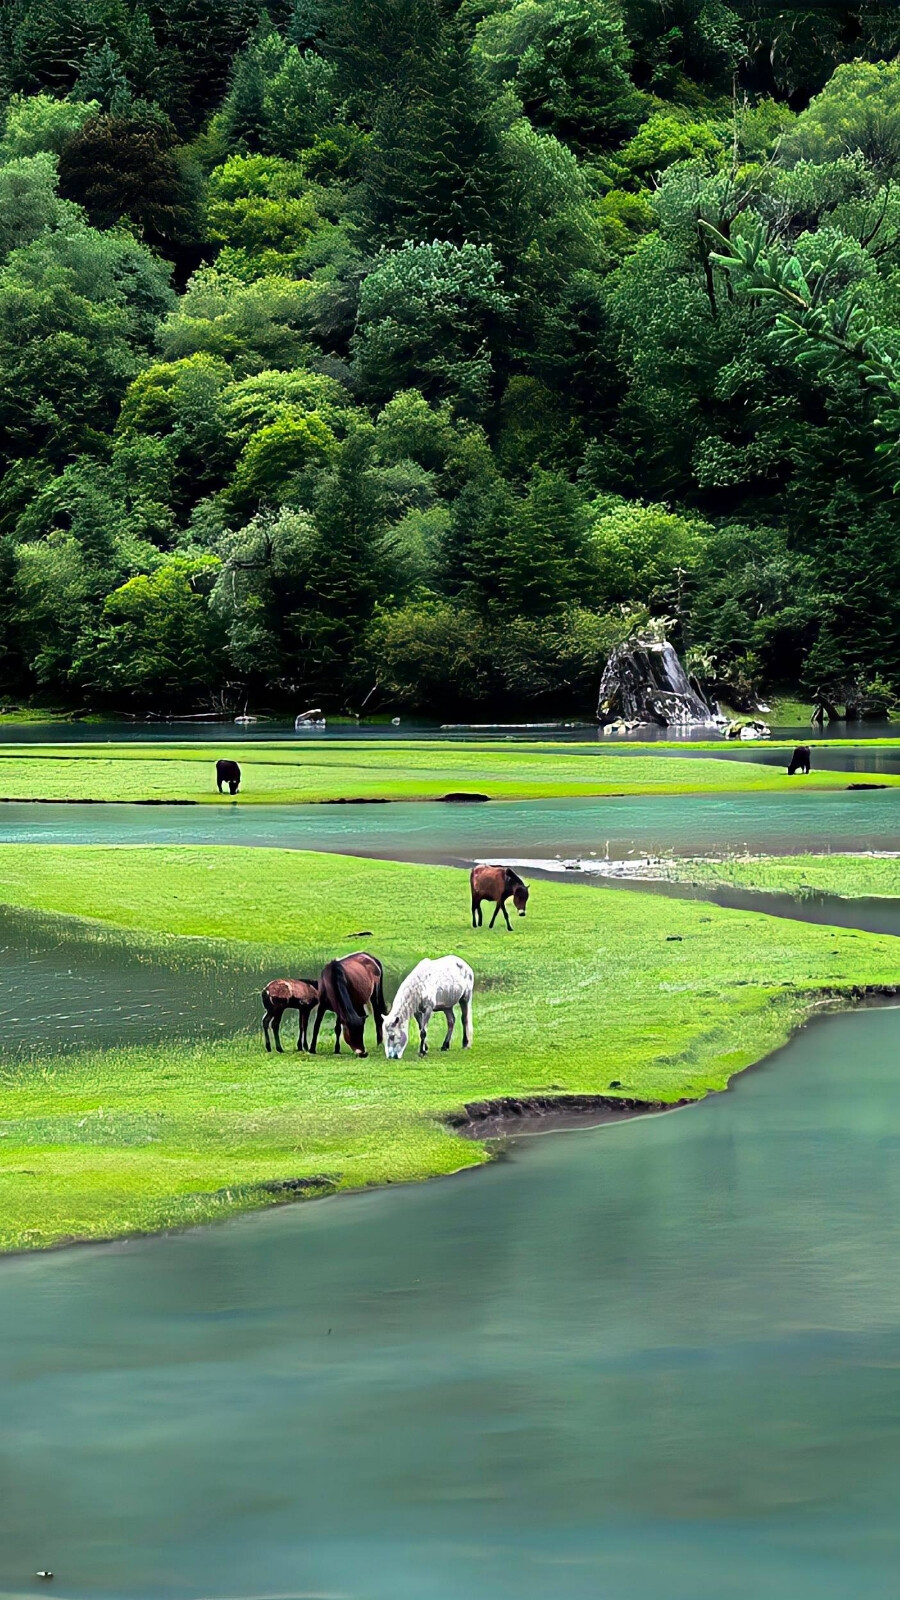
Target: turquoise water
x,y
693,825
658,1361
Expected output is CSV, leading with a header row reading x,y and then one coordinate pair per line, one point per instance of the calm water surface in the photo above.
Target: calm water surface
x,y
654,1362
421,831
103,731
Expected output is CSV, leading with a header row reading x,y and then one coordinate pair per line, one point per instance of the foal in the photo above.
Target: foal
x,y
496,883
288,994
346,987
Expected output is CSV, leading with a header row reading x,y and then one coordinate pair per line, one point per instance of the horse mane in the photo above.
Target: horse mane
x,y
513,880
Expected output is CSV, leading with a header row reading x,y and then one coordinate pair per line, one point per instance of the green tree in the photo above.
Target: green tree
x,y
274,465
157,642
36,123
568,61
253,327
261,210
128,164
434,169
77,312
428,317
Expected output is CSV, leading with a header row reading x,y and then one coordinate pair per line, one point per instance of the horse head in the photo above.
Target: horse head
x,y
520,898
396,1038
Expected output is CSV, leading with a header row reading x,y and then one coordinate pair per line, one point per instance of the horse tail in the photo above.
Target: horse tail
x,y
378,993
344,998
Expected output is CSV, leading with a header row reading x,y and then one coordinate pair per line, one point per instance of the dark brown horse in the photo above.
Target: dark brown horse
x,y
497,884
288,994
801,760
346,987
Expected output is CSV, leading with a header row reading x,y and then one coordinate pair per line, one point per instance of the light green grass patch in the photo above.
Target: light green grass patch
x,y
669,998
851,876
289,772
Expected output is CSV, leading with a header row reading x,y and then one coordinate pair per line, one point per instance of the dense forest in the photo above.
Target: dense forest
x,y
410,354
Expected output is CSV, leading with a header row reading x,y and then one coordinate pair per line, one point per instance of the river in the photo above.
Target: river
x,y
652,1361
815,821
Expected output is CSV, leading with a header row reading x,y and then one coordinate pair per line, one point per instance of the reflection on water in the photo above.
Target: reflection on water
x,y
420,831
654,1362
104,732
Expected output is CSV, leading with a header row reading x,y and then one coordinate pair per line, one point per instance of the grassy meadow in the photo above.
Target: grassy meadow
x,y
666,999
851,876
288,772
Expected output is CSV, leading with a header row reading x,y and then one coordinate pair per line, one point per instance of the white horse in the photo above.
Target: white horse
x,y
431,986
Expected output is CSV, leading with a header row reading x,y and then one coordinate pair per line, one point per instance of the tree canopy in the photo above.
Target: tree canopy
x,y
412,352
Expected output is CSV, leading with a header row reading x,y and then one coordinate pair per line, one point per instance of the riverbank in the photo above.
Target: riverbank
x,y
593,993
309,772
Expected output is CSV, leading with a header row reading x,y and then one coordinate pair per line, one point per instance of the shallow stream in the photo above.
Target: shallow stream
x,y
772,824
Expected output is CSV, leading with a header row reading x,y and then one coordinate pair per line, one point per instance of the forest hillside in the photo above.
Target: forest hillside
x,y
412,353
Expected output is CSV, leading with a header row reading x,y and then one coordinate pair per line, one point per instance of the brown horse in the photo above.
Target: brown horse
x,y
801,760
288,994
496,883
346,987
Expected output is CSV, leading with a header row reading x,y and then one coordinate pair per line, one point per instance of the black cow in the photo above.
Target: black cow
x,y
228,772
800,760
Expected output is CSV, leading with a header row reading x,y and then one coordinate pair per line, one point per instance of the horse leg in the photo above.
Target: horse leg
x,y
496,913
266,1018
276,1029
423,1018
450,1024
465,1007
506,915
321,1008
302,1015
219,785
476,912
337,1034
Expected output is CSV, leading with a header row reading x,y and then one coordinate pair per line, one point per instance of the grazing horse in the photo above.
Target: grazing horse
x,y
228,772
346,987
431,986
800,760
496,883
288,994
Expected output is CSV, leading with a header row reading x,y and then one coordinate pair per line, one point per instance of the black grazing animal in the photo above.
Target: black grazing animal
x,y
800,760
228,772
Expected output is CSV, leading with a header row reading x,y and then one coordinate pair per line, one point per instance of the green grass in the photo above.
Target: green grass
x,y
852,877
317,771
670,998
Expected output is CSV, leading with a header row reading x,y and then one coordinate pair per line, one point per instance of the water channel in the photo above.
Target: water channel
x,y
652,1361
774,824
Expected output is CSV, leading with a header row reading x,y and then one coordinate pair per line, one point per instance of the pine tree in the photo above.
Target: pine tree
x,y
435,170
